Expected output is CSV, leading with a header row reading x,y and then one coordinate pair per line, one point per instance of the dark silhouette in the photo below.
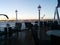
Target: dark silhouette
x,y
41,23
5,30
34,31
55,26
5,15
58,5
28,25
8,34
17,28
55,40
45,23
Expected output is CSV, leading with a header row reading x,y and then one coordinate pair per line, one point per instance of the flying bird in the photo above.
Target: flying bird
x,y
5,15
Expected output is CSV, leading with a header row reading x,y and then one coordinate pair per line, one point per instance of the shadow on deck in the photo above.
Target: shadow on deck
x,y
24,38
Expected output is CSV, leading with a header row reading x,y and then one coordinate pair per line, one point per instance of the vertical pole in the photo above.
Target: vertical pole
x,y
16,16
39,31
39,19
56,13
17,26
39,25
5,30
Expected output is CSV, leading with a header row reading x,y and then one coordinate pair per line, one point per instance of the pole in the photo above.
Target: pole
x,y
39,25
39,19
56,14
16,16
39,7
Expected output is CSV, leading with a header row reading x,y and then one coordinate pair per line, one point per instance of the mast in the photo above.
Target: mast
x,y
56,12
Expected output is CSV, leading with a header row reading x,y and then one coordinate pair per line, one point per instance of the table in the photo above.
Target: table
x,y
55,36
53,32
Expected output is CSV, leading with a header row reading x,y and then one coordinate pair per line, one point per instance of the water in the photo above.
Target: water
x,y
12,24
3,24
23,36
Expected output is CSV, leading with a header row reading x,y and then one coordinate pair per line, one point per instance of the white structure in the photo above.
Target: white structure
x,y
16,15
39,7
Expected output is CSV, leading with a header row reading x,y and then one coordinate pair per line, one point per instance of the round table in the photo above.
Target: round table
x,y
53,32
55,36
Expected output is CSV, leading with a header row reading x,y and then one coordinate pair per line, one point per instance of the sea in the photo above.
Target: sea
x,y
22,35
12,24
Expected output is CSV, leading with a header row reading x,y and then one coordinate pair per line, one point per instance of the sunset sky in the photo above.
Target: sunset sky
x,y
27,9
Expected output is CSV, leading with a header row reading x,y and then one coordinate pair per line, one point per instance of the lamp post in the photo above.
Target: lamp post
x,y
17,34
39,34
16,15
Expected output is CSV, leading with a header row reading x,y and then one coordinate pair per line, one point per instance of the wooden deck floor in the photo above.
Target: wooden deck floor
x,y
25,38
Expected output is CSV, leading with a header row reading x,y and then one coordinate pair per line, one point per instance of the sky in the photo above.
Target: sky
x,y
27,9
